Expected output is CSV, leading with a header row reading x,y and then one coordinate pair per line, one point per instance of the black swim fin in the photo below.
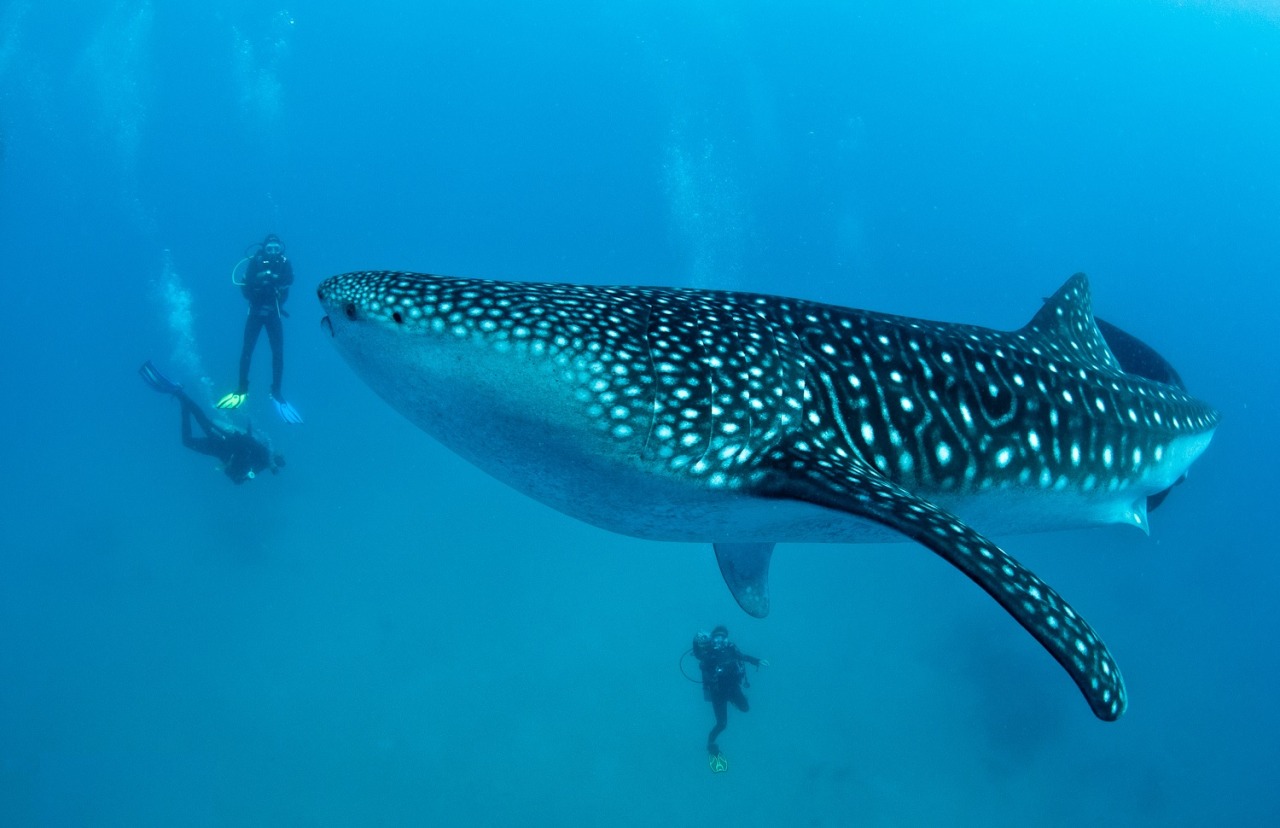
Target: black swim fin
x,y
157,380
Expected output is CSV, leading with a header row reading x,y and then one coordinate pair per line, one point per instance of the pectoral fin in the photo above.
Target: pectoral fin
x,y
851,486
745,567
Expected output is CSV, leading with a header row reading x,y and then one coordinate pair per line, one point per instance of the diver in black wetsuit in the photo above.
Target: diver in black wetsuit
x,y
266,284
242,454
723,678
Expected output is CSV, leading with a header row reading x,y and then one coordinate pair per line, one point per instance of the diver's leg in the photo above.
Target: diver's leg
x,y
252,326
212,441
212,446
191,411
187,438
275,338
739,700
722,720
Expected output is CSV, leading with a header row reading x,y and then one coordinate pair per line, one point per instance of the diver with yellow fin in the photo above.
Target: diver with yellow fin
x,y
267,279
724,675
242,453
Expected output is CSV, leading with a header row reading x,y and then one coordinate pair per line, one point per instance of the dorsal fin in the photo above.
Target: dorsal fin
x,y
1065,323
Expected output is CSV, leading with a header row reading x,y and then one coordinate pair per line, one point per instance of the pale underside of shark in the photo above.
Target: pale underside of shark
x,y
745,420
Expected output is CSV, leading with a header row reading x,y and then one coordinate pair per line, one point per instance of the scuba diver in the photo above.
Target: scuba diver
x,y
267,280
242,454
723,678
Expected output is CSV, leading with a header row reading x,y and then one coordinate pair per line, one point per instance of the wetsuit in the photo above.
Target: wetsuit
x,y
722,679
242,456
266,285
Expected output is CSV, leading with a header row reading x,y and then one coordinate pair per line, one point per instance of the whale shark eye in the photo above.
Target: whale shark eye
x,y
398,317
350,310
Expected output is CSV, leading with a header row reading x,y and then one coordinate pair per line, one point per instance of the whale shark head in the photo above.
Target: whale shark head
x,y
520,379
743,419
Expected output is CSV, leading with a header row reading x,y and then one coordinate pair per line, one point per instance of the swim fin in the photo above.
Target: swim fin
x,y
233,400
286,411
157,380
718,763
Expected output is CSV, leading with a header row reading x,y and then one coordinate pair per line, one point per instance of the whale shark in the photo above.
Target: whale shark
x,y
744,420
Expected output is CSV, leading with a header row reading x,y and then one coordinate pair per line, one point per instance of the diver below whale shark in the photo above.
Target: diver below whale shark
x,y
744,420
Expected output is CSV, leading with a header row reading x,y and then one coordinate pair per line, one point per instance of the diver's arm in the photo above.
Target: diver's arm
x,y
285,282
252,277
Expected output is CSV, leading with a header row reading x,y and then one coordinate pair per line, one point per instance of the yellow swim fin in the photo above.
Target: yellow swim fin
x,y
718,763
233,400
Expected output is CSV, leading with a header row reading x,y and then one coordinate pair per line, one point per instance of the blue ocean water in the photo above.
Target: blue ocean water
x,y
383,635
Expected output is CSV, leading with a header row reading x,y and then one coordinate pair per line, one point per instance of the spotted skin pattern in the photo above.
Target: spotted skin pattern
x,y
747,419
1036,606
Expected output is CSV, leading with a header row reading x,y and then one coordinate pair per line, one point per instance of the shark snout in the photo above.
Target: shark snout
x,y
333,298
